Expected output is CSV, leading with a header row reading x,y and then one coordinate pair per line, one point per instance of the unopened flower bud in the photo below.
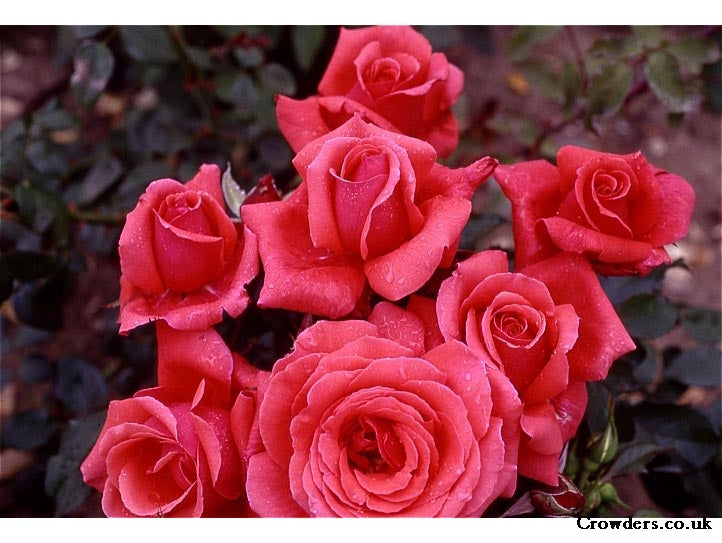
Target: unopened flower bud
x,y
563,500
603,447
593,498
609,494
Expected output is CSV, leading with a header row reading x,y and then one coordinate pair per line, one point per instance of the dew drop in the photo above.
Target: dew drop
x,y
467,376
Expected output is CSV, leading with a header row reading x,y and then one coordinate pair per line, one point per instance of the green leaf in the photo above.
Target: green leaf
x,y
633,458
693,52
249,57
544,77
232,192
54,119
41,209
28,429
200,57
307,42
609,89
93,65
702,323
699,366
442,37
619,289
137,180
27,265
148,44
525,38
35,369
648,315
617,47
239,89
650,36
679,427
665,80
63,478
48,159
40,303
98,180
276,79
646,370
597,413
80,385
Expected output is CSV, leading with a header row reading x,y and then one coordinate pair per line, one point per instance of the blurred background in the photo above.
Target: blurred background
x,y
89,116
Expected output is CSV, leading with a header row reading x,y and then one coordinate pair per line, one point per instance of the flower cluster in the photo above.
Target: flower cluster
x,y
407,397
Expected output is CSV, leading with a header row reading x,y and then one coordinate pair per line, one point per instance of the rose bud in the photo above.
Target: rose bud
x,y
183,260
564,500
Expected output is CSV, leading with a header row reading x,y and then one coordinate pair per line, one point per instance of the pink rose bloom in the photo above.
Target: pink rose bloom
x,y
549,328
359,422
374,207
388,75
183,260
617,210
179,450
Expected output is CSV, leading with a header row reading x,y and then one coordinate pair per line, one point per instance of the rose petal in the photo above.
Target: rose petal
x,y
137,260
674,218
398,325
208,179
300,277
405,270
602,336
533,188
186,358
268,491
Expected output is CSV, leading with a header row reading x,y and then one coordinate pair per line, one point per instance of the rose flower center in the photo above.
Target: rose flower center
x,y
385,75
610,185
185,211
373,446
514,328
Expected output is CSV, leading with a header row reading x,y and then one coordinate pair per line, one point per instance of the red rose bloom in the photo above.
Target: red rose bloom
x,y
178,450
355,424
549,328
390,76
182,258
616,210
373,206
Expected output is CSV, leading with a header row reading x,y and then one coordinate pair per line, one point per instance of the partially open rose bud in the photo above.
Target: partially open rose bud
x,y
183,259
563,500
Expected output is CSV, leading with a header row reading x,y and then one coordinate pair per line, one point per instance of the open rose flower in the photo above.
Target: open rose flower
x,y
616,210
549,328
356,425
178,449
390,76
182,258
373,206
